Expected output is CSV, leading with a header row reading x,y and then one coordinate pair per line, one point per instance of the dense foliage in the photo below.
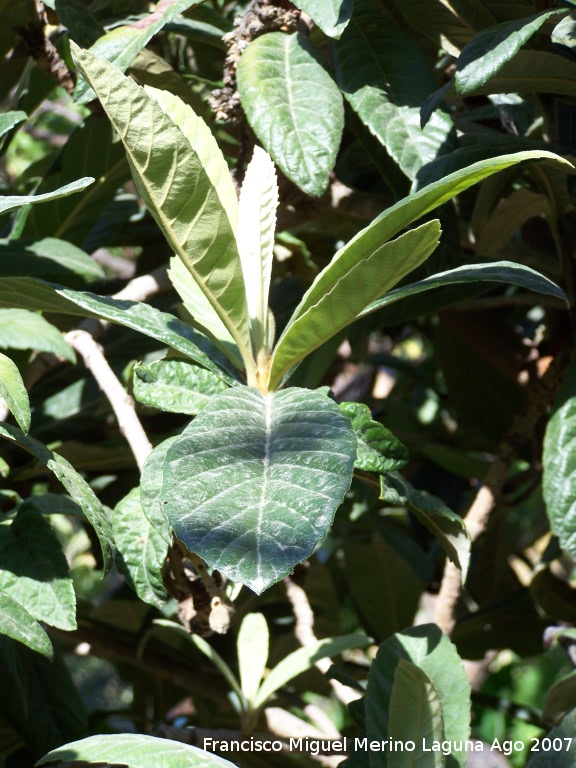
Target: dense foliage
x,y
288,383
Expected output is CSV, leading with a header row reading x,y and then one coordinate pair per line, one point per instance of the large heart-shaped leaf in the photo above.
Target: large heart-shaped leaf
x,y
253,483
293,106
341,304
170,173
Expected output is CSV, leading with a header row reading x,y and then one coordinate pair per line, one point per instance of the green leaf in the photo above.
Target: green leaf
x,y
447,526
209,652
21,329
176,386
256,228
416,716
534,72
385,77
142,548
74,483
83,27
121,45
379,575
49,258
202,314
559,463
304,658
14,392
560,700
151,491
171,178
487,52
494,272
9,119
34,570
253,483
344,301
378,449
26,292
332,16
399,216
428,649
564,758
135,751
253,641
17,201
39,699
17,623
293,106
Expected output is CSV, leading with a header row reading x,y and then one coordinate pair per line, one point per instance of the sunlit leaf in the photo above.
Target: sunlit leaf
x,y
14,392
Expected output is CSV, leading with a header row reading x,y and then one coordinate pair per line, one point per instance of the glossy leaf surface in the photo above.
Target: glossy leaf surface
x,y
332,16
14,393
176,386
293,106
253,483
378,449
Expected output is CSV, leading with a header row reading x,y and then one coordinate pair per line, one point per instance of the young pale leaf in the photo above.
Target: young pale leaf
x,y
385,77
9,119
74,483
135,751
170,175
29,293
488,51
34,570
13,391
416,716
293,106
563,758
332,16
17,623
176,386
559,463
21,329
304,658
495,272
447,526
378,449
253,483
17,201
122,44
344,301
399,216
255,236
253,641
432,652
142,549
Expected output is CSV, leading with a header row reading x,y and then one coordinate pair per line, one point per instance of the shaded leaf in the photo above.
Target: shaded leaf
x,y
365,279
385,77
26,292
332,16
151,490
14,393
17,201
559,464
428,649
416,716
253,640
487,52
447,526
74,483
566,756
142,548
83,27
17,623
378,449
34,570
304,658
178,191
21,329
9,119
176,386
135,751
49,258
293,106
561,699
121,45
534,72
253,483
